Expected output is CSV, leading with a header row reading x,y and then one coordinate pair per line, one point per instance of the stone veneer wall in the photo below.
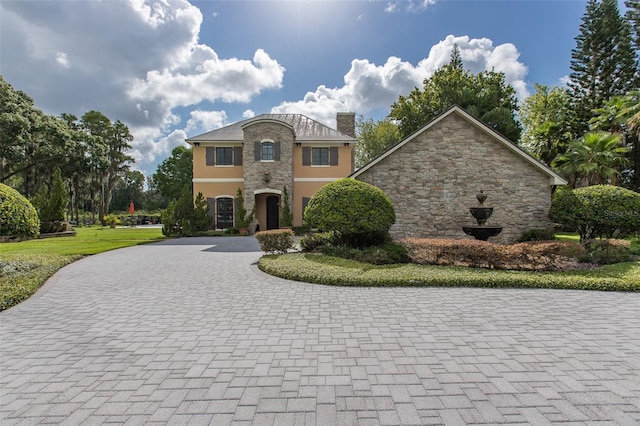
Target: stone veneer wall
x,y
281,172
433,179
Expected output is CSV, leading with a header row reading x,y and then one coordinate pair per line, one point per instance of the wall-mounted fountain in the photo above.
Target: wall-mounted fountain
x,y
481,213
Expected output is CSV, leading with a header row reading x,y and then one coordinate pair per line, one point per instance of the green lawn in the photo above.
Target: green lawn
x,y
26,265
89,240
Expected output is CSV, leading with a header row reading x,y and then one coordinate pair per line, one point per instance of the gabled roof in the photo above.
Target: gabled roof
x,y
555,179
305,129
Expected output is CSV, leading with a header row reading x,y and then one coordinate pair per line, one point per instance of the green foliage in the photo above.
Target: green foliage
x,y
546,120
537,235
301,230
112,220
18,217
286,216
174,173
607,252
385,254
313,242
597,211
373,138
603,63
51,204
243,218
275,240
484,95
21,275
596,159
336,271
201,218
358,213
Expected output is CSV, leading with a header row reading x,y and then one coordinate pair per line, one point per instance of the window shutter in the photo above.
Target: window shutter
x,y
237,156
276,151
306,156
333,156
209,154
257,151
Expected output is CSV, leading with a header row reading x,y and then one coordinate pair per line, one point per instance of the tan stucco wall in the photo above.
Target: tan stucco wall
x,y
201,170
343,169
433,179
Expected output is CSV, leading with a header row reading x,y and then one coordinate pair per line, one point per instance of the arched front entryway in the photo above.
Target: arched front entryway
x,y
273,212
267,205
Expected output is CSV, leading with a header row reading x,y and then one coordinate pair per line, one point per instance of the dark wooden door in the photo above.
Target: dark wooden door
x,y
273,212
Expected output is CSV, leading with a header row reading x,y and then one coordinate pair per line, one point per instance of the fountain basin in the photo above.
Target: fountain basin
x,y
480,232
481,214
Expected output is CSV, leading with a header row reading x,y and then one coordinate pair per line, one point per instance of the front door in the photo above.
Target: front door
x,y
273,212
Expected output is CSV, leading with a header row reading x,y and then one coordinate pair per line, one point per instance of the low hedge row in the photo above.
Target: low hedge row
x,y
527,256
316,268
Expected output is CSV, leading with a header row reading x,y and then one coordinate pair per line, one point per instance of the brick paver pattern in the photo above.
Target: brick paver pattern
x,y
191,332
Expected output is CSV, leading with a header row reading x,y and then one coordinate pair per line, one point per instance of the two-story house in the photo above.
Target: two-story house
x,y
263,155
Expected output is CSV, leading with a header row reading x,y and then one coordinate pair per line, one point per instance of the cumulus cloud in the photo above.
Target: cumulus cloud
x,y
368,86
201,121
248,114
136,61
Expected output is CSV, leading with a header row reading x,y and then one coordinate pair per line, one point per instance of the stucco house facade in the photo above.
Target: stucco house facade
x,y
433,176
263,155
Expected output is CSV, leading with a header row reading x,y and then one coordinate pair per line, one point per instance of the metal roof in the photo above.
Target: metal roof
x,y
305,128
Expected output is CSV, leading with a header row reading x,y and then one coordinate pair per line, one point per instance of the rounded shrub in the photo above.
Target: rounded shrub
x,y
18,217
359,214
597,211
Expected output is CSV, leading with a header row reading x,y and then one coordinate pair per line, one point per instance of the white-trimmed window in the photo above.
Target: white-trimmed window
x,y
224,156
267,151
320,156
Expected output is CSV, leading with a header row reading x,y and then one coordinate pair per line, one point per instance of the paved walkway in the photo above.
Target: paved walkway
x,y
191,332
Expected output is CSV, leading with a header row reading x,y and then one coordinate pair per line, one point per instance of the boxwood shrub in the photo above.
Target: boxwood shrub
x,y
275,240
359,214
18,217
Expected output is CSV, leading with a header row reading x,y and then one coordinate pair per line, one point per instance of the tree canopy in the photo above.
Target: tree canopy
x,y
373,138
484,95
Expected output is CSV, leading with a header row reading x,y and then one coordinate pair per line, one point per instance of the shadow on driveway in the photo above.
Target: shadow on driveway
x,y
217,244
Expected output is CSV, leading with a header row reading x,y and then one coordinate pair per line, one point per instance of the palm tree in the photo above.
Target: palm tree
x,y
596,159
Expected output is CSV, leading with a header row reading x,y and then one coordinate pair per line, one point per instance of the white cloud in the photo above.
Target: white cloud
x,y
136,61
202,121
368,86
408,5
248,114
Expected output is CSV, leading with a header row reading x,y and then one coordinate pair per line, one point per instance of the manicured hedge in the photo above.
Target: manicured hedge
x,y
275,240
527,256
315,268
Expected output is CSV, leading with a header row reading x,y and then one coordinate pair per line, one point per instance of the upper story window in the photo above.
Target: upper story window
x,y
267,151
224,156
320,156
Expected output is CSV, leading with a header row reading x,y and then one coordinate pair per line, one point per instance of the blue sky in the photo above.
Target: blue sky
x,y
173,68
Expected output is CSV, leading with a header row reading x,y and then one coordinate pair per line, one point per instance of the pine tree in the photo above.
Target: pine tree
x,y
633,17
603,62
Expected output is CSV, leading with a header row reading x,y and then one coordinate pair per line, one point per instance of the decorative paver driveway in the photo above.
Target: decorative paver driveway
x,y
190,331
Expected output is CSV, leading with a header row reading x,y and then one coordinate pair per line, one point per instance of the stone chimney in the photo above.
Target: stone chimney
x,y
346,123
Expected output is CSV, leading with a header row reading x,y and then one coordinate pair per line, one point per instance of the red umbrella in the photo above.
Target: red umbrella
x,y
131,208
